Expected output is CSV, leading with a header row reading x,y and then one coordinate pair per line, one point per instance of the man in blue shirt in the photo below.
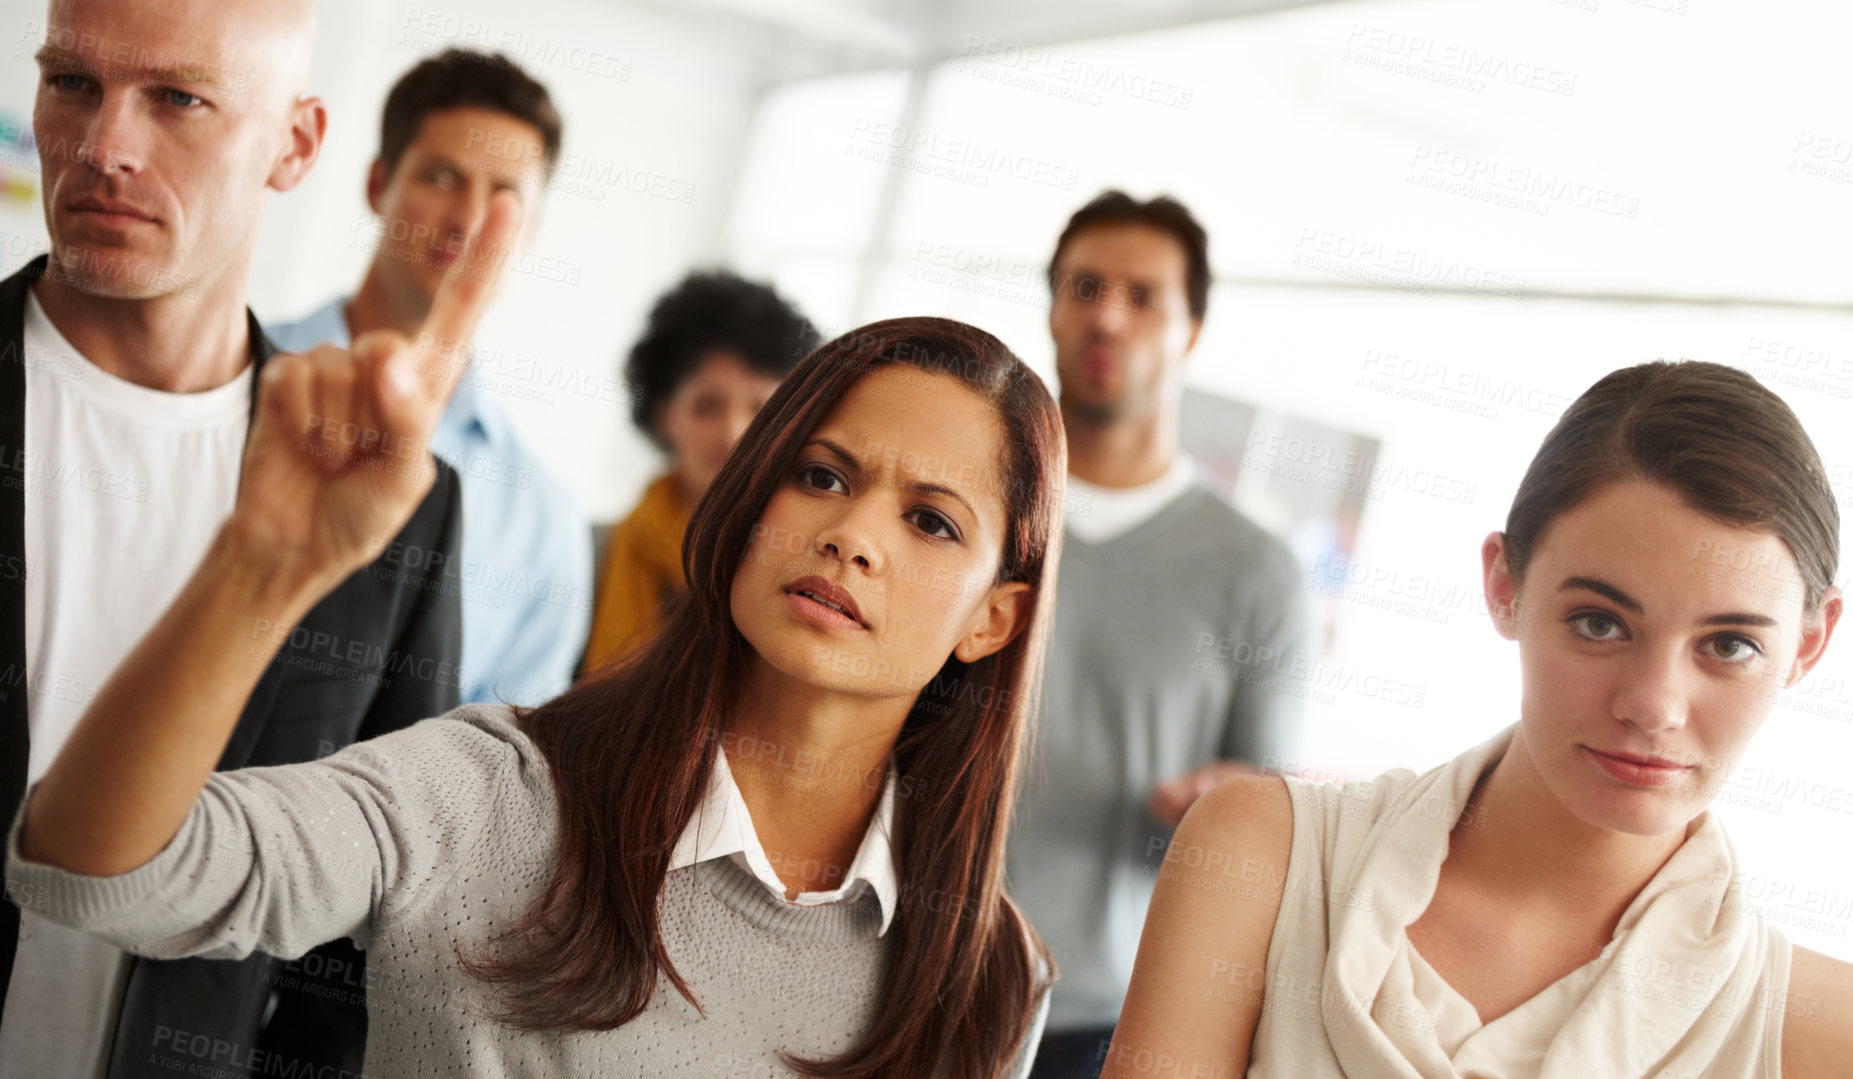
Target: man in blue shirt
x,y
458,128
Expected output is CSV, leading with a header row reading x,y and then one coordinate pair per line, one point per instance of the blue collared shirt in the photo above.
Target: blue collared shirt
x,y
527,548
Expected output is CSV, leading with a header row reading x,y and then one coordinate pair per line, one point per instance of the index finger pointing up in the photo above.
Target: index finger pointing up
x,y
466,291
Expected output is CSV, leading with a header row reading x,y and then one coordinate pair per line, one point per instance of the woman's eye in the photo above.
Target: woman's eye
x,y
818,477
935,525
1596,627
1734,648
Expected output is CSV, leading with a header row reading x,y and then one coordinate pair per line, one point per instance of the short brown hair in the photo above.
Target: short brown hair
x,y
460,79
1163,213
1731,448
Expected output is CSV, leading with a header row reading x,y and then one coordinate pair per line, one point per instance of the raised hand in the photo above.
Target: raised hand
x,y
336,463
338,456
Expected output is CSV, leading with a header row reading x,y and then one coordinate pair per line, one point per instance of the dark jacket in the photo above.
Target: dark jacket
x,y
377,654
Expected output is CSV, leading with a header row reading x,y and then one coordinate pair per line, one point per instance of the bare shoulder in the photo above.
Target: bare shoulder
x,y
1254,812
1201,974
1817,1019
1230,851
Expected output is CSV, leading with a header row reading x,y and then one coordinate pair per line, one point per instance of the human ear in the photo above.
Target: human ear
x,y
1005,614
308,125
376,185
1501,588
1817,628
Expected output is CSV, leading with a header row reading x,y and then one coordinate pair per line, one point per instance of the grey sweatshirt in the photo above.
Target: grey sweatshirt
x,y
432,839
1178,643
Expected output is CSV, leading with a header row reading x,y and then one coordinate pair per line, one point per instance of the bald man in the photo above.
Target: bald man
x,y
128,360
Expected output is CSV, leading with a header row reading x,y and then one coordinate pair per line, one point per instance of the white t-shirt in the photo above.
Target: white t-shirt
x,y
125,488
1097,514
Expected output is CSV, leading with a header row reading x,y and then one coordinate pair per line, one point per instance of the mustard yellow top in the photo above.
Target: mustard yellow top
x,y
643,567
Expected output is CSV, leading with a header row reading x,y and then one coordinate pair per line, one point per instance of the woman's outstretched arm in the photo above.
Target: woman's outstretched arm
x,y
1201,975
336,462
133,766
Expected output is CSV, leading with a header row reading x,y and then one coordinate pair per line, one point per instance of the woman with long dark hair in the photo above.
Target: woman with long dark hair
x,y
1557,902
772,839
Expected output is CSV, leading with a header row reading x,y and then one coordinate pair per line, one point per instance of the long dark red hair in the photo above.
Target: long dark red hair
x,y
631,749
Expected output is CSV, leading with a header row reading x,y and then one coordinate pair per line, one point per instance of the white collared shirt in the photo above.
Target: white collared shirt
x,y
1097,514
723,828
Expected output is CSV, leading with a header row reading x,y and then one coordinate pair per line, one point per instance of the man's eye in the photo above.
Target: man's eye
x,y
66,81
184,100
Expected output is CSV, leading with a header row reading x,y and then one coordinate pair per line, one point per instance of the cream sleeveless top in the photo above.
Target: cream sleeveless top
x,y
1693,983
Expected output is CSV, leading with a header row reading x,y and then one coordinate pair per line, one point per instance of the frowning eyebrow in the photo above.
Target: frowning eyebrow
x,y
59,60
1624,600
50,56
915,486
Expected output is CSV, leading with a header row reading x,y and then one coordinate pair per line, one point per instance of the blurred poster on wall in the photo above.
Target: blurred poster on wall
x,y
1302,479
22,221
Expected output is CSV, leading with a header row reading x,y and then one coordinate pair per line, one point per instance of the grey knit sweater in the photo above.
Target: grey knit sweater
x,y
1178,643
436,837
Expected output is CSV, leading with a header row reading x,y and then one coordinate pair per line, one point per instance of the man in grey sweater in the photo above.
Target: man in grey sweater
x,y
1179,649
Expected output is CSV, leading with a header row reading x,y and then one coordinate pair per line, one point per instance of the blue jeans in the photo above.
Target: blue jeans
x,y
1072,1054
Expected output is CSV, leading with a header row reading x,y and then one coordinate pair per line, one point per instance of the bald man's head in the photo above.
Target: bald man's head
x,y
283,32
251,44
183,114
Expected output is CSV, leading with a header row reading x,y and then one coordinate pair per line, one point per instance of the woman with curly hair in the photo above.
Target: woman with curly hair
x,y
715,348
